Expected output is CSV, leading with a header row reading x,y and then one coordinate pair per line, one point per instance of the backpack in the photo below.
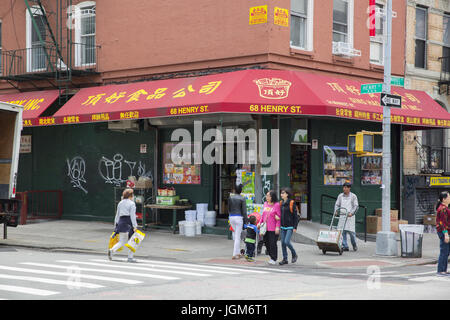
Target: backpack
x,y
291,207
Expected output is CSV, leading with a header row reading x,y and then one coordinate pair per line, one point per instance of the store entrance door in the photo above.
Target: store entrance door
x,y
300,178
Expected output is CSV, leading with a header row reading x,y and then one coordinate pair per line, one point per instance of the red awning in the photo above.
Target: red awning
x,y
248,91
34,104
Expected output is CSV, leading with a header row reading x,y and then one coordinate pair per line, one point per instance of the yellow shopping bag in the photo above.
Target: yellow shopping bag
x,y
135,240
113,240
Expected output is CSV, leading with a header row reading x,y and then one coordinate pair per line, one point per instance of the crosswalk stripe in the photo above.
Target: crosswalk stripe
x,y
202,266
430,278
33,291
150,268
154,276
51,281
68,274
194,268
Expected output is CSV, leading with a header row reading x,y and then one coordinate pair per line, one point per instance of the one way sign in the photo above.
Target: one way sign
x,y
390,100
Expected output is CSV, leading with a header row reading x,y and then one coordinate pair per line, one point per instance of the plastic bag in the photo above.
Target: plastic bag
x,y
135,240
113,240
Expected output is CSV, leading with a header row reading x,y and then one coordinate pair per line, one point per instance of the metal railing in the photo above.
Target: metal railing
x,y
41,204
322,211
43,61
433,159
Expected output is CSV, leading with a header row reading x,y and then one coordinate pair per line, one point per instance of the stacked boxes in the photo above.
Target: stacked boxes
x,y
374,223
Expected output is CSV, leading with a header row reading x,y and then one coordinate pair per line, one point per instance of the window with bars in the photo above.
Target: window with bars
x,y
421,37
299,23
85,53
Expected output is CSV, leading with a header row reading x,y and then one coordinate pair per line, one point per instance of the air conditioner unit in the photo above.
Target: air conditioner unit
x,y
345,49
124,125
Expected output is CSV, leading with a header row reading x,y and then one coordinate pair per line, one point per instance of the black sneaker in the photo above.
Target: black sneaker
x,y
355,248
283,262
345,249
294,259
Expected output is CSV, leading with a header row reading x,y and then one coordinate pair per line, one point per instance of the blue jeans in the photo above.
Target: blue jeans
x,y
250,249
352,239
443,255
286,235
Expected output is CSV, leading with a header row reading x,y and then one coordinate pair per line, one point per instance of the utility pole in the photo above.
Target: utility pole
x,y
386,240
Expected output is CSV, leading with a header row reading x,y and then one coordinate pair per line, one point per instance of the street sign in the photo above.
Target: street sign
x,y
371,88
390,100
398,81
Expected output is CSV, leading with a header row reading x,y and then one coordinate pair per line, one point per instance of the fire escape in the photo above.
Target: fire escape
x,y
51,55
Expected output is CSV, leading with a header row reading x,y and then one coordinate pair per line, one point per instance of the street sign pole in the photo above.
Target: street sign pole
x,y
386,243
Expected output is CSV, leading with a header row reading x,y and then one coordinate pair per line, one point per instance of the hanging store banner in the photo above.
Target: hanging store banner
x,y
34,104
247,91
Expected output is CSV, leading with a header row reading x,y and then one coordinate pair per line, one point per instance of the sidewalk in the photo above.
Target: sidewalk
x,y
93,237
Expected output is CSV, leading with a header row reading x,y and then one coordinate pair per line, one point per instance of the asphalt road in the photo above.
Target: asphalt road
x,y
49,275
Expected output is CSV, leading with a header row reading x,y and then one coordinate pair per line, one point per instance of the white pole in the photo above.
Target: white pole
x,y
386,242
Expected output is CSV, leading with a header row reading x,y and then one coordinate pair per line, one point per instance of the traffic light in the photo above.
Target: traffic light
x,y
361,142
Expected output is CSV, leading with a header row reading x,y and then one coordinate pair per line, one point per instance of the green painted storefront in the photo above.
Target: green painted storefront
x,y
85,161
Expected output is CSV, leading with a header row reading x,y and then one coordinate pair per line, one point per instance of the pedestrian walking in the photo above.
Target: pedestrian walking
x,y
271,216
442,226
288,224
250,239
125,223
349,201
237,214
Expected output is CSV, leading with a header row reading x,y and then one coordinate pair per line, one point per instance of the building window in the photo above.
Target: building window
x,y
1,57
301,24
36,50
446,42
85,50
421,37
342,21
377,42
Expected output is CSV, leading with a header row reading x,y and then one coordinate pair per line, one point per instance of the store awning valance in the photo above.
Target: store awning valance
x,y
248,91
34,104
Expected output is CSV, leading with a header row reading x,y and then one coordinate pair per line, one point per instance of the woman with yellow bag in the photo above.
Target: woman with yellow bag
x,y
125,223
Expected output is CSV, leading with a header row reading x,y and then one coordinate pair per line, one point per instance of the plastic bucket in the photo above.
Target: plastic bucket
x,y
203,207
190,228
198,227
210,218
190,215
181,227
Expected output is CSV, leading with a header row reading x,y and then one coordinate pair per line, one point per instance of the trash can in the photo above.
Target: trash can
x,y
411,237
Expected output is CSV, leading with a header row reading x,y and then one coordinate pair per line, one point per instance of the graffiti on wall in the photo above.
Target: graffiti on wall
x,y
76,169
114,171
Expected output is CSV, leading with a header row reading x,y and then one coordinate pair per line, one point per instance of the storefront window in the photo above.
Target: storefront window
x,y
180,173
337,166
371,170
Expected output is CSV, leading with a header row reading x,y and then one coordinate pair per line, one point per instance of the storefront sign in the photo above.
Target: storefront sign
x,y
25,144
34,104
258,15
248,91
281,17
439,181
